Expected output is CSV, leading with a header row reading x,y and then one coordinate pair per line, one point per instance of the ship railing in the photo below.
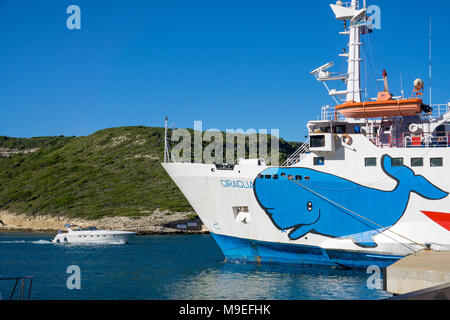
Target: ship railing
x,y
21,281
427,140
329,113
298,155
438,111
386,140
346,4
410,140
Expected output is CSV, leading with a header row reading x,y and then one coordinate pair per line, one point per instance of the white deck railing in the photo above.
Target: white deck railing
x,y
329,113
297,155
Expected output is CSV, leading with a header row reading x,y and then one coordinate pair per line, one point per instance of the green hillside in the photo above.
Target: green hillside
x,y
112,172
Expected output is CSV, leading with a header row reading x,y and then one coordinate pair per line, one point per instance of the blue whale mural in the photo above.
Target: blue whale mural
x,y
298,210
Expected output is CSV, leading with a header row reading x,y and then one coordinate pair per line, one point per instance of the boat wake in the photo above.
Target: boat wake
x,y
42,241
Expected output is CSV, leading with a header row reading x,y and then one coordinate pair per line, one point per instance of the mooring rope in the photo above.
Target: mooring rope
x,y
385,228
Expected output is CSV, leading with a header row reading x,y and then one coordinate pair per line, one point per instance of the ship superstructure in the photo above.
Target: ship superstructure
x,y
369,186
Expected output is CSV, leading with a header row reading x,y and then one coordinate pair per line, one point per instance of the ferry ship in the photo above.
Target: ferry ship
x,y
368,187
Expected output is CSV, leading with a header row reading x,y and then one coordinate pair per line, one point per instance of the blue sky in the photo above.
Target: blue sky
x,y
232,64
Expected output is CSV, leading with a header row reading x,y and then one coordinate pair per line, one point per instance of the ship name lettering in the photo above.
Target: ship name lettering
x,y
236,184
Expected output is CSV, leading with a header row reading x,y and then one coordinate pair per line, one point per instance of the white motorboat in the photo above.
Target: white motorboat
x,y
92,235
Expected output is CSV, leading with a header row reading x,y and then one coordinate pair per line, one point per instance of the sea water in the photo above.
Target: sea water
x,y
165,267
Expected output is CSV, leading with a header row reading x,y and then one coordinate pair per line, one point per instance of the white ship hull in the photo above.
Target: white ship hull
x,y
368,192
254,236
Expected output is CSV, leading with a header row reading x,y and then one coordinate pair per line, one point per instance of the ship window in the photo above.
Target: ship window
x,y
397,162
290,177
440,131
298,177
319,161
317,141
260,176
306,178
241,214
224,166
275,176
416,162
283,174
268,176
339,129
370,162
436,162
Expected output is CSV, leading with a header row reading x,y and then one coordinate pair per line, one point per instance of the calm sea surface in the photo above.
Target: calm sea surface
x,y
166,267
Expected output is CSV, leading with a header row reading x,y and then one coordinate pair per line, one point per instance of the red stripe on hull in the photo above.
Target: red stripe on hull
x,y
441,218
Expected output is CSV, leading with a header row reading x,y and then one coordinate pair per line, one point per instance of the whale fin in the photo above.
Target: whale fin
x,y
406,178
427,190
302,229
299,232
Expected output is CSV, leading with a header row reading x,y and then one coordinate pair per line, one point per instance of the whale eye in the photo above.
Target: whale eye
x,y
309,206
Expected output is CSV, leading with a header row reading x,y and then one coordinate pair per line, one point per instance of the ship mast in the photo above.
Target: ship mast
x,y
354,60
354,20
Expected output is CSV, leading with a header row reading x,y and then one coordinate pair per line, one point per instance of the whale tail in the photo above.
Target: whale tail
x,y
406,178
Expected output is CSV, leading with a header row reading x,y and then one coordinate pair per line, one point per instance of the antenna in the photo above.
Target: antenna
x,y
430,61
165,140
322,68
401,85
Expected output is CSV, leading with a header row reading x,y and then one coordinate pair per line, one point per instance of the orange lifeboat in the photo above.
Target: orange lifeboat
x,y
385,105
382,107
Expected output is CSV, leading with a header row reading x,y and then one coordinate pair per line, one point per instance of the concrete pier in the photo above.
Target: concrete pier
x,y
422,270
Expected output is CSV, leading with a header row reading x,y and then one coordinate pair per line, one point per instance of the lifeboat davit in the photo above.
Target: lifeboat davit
x,y
384,106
